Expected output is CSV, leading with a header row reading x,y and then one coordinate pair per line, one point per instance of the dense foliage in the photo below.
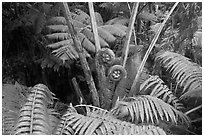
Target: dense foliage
x,y
91,61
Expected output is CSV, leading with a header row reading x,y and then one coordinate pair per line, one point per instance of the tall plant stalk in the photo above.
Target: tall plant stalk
x,y
135,85
134,32
83,61
128,35
99,69
94,26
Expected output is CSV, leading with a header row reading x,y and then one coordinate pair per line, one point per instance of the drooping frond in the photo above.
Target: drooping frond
x,y
148,109
187,74
97,121
61,44
154,86
33,117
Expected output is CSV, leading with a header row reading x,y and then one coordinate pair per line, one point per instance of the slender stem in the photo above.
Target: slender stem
x,y
134,32
94,26
134,86
83,61
194,109
99,69
128,36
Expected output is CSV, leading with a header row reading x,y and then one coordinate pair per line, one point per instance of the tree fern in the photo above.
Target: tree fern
x,y
154,86
187,74
33,117
60,41
148,109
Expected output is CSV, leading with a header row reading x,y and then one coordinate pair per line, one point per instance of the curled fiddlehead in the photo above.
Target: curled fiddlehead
x,y
116,73
105,57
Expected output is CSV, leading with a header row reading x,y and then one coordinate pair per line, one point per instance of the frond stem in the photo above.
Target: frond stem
x,y
83,61
194,109
129,33
133,26
94,26
100,71
135,87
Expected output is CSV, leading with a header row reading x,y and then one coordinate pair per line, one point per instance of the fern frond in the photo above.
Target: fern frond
x,y
90,36
157,88
114,30
187,74
86,43
67,52
58,37
121,27
60,44
33,117
62,21
106,35
118,20
98,121
56,28
147,109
